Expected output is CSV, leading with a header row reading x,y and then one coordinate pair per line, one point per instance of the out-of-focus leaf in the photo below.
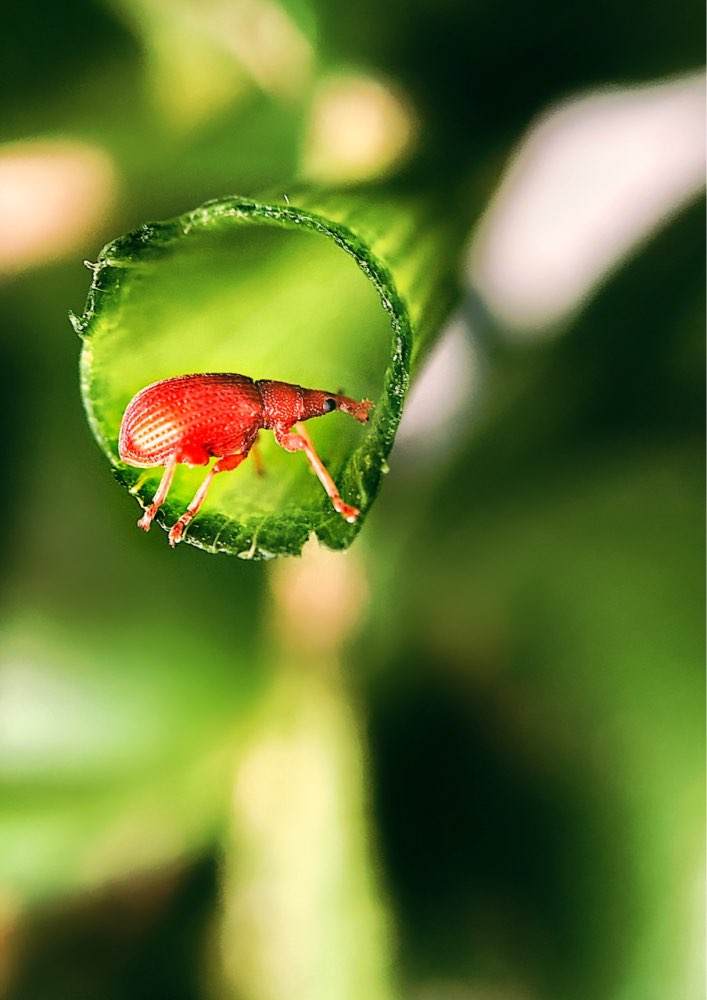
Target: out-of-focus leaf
x,y
556,648
202,57
114,756
263,288
552,659
301,889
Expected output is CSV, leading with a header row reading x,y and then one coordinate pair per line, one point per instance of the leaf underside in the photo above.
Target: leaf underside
x,y
263,289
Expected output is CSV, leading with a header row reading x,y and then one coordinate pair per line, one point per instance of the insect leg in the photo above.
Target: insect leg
x,y
302,442
140,482
257,457
161,494
223,465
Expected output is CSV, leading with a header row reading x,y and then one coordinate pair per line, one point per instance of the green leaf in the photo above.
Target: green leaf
x,y
115,756
263,288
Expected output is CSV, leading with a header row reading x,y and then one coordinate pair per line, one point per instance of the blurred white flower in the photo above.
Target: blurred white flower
x,y
591,180
442,399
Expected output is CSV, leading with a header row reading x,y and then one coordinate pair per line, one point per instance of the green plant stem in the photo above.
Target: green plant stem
x,y
303,914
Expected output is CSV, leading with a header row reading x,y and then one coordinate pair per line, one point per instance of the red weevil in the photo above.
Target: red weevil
x,y
189,419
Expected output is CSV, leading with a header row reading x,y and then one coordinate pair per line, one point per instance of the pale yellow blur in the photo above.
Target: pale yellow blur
x,y
318,598
359,129
54,197
268,43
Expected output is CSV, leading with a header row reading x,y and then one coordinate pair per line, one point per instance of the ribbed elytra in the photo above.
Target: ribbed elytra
x,y
189,419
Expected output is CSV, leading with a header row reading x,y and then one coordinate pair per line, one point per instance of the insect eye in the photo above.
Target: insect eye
x,y
329,405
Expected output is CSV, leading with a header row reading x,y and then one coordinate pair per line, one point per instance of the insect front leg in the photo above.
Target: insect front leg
x,y
302,442
161,494
223,465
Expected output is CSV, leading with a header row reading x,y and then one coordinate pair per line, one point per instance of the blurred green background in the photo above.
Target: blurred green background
x,y
464,760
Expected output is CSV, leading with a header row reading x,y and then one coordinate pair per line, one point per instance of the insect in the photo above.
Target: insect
x,y
189,419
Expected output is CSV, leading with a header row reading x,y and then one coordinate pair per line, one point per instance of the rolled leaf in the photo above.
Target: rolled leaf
x,y
263,288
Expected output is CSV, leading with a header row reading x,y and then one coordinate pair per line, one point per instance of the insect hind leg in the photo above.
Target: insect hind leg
x,y
257,456
161,494
223,465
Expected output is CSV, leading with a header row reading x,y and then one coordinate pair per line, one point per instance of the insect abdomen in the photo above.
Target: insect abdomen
x,y
195,416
